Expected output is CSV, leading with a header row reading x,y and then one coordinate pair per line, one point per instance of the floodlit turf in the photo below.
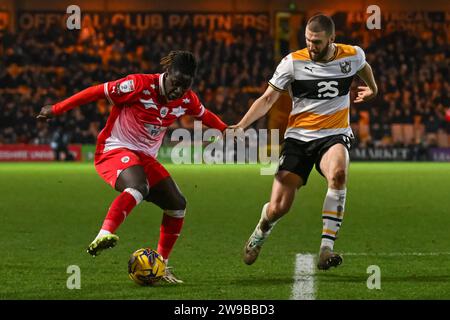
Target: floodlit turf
x,y
50,212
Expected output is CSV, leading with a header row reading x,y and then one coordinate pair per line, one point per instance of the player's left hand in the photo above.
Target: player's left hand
x,y
364,94
45,113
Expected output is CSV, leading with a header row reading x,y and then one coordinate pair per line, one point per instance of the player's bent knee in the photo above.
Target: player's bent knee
x,y
176,213
338,178
180,203
174,202
143,188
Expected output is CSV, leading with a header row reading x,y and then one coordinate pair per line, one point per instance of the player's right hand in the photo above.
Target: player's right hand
x,y
236,132
235,127
46,113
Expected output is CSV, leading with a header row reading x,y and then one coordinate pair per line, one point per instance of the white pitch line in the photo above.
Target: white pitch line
x,y
304,287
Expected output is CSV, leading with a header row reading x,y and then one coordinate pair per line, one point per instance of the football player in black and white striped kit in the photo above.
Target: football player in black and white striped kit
x,y
318,79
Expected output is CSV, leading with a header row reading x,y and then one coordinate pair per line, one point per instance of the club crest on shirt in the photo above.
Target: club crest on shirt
x,y
346,66
164,111
340,210
126,86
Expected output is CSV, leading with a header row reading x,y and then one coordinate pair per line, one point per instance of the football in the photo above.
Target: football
x,y
146,266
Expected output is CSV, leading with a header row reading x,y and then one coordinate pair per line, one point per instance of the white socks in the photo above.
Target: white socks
x,y
264,217
332,216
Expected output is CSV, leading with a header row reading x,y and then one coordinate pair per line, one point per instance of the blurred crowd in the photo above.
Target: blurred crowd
x,y
410,61
42,67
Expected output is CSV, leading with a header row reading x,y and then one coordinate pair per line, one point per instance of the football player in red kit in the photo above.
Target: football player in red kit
x,y
144,106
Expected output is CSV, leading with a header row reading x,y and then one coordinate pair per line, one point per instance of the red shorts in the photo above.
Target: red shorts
x,y
110,164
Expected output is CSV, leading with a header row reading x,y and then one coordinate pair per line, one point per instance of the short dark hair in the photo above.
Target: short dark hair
x,y
321,22
183,61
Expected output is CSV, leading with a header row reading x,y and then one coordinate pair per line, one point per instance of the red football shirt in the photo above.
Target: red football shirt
x,y
141,115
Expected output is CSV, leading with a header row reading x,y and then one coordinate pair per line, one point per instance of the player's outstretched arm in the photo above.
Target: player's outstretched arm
x,y
211,120
259,108
369,92
90,94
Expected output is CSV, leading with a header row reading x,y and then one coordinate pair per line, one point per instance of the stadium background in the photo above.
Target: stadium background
x,y
239,43
396,212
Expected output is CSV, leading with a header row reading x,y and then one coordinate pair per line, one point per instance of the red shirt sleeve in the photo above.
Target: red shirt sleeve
x,y
90,94
209,119
117,92
195,107
125,90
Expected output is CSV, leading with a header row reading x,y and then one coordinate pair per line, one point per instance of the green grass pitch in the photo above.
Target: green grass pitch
x,y
397,217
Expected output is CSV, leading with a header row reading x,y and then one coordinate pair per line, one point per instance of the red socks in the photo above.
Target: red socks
x,y
121,208
169,231
171,224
